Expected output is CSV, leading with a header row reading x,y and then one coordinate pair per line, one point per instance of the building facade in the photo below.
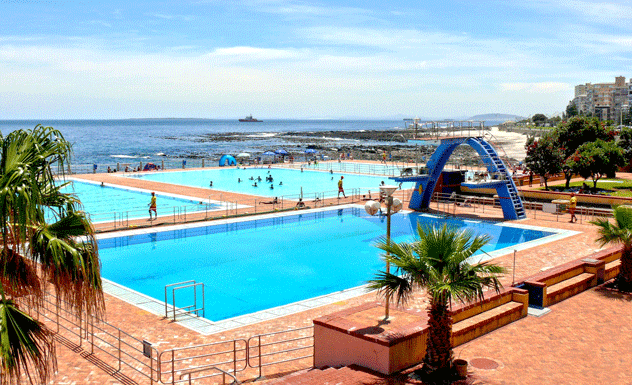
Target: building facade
x,y
608,101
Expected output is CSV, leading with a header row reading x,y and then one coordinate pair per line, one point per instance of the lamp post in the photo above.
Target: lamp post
x,y
393,205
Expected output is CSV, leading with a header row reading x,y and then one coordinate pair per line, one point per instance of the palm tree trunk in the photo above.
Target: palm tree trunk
x,y
625,272
439,345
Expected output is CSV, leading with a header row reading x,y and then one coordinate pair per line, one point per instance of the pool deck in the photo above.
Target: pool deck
x,y
572,344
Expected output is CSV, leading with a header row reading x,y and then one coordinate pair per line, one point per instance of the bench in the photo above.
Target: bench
x,y
612,269
552,286
569,287
495,310
485,322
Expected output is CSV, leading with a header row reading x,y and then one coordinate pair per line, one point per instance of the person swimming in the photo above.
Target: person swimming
x,y
238,180
251,178
281,183
254,185
271,187
210,184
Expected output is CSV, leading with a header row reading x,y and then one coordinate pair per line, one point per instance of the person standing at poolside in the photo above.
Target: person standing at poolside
x,y
572,206
340,188
152,206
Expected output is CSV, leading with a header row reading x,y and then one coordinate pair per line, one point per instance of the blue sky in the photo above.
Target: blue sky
x,y
305,59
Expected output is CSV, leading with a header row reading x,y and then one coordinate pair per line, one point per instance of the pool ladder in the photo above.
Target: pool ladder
x,y
189,309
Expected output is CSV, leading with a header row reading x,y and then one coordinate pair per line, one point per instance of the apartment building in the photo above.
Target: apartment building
x,y
604,100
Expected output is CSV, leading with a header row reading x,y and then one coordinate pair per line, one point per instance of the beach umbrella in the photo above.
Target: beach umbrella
x,y
281,152
269,153
311,151
243,155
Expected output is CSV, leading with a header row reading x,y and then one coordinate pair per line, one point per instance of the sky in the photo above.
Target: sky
x,y
287,59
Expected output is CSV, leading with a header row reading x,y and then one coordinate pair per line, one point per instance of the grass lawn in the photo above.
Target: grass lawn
x,y
612,187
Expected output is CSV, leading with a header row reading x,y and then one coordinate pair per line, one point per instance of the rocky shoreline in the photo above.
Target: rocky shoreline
x,y
365,144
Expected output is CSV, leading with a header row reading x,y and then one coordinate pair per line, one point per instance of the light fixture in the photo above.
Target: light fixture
x,y
393,205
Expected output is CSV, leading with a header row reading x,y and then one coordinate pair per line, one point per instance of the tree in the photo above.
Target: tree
x,y
437,261
539,119
40,230
596,159
544,157
571,110
575,132
625,142
619,233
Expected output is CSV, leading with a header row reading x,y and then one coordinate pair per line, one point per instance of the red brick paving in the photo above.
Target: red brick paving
x,y
584,340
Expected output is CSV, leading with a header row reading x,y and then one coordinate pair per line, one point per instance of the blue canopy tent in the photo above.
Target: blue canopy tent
x,y
227,160
310,151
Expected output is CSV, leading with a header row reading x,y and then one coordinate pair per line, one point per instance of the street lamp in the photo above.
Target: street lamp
x,y
393,205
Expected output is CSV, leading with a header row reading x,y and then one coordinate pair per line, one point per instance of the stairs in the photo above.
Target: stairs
x,y
346,375
494,159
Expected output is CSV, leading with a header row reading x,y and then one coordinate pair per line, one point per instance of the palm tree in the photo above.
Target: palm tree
x,y
46,242
437,262
619,233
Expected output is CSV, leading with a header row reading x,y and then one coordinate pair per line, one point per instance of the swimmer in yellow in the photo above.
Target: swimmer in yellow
x,y
152,206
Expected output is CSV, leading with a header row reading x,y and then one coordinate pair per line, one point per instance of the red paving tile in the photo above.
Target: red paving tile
x,y
584,340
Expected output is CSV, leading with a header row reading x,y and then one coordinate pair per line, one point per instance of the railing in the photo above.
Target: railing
x,y
224,374
190,309
383,169
228,356
122,351
448,203
274,348
125,353
244,206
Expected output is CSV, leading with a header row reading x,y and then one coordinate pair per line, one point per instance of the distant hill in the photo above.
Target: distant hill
x,y
498,117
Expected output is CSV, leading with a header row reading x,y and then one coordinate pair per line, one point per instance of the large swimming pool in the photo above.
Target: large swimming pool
x,y
285,182
109,203
248,266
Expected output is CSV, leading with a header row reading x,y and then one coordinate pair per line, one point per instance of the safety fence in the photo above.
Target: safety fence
x,y
217,205
453,204
384,169
120,353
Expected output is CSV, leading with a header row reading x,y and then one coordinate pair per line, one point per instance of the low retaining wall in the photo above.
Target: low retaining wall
x,y
357,335
554,285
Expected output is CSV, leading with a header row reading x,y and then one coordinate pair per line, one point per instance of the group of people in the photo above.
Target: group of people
x,y
127,169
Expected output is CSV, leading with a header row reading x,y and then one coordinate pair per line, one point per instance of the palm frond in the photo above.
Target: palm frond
x,y
26,347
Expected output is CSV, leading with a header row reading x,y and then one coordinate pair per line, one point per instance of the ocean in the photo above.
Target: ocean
x,y
106,142
109,141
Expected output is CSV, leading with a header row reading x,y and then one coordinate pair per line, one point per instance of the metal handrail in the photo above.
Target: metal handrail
x,y
224,373
260,355
173,361
55,311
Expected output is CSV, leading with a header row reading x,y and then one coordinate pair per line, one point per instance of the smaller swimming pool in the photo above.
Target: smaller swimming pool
x,y
255,181
109,203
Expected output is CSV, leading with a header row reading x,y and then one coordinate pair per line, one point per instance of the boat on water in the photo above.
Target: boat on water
x,y
249,118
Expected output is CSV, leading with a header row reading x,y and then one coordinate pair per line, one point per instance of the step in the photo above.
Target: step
x,y
485,320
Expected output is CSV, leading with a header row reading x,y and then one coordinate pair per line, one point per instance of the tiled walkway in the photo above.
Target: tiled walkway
x,y
584,340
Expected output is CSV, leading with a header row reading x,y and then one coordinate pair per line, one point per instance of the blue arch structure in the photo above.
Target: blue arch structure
x,y
505,188
227,160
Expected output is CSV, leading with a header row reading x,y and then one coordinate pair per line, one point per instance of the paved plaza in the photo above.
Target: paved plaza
x,y
586,339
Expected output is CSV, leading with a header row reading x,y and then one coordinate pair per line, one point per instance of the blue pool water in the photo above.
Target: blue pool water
x,y
292,181
254,265
104,203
